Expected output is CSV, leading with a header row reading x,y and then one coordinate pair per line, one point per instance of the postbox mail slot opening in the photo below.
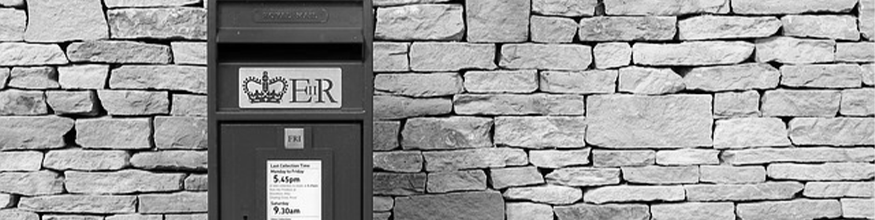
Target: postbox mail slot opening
x,y
255,52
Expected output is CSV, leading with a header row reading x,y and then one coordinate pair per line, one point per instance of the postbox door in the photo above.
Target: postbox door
x,y
291,171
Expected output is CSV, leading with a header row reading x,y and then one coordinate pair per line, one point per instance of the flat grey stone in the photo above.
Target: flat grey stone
x,y
182,202
60,21
397,107
382,3
20,161
866,19
746,76
72,102
164,77
827,171
858,208
694,210
822,75
188,23
450,181
83,76
623,158
22,102
189,52
649,81
559,158
625,121
528,211
118,52
610,28
22,54
603,212
579,82
540,132
451,56
800,154
789,210
661,175
501,178
552,29
391,56
31,183
687,157
33,78
132,102
398,161
545,56
114,133
737,104
858,102
196,182
838,189
420,22
189,133
693,53
666,7
743,192
12,24
474,158
147,3
487,205
791,50
446,133
386,135
419,85
529,104
86,160
44,132
564,8
791,6
627,193
612,54
121,182
171,160
832,131
188,105
839,27
497,20
584,177
750,132
799,103
97,204
501,81
383,203
550,194
707,27
732,174
855,52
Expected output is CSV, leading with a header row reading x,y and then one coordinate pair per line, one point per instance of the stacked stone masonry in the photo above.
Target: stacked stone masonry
x,y
103,110
624,109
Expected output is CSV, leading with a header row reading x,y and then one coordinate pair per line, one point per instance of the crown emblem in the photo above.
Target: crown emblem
x,y
265,95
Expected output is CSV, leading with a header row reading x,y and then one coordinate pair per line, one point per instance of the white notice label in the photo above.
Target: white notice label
x,y
290,88
294,190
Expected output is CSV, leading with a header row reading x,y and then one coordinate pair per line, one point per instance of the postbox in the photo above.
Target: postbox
x,y
290,109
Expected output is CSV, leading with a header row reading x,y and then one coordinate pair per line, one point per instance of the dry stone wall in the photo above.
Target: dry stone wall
x,y
102,110
624,109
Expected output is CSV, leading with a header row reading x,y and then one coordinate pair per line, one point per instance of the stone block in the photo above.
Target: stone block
x,y
866,19
603,212
804,155
822,75
839,27
732,174
529,104
60,21
398,107
788,210
20,161
451,56
791,6
550,194
545,56
474,159
180,133
135,217
183,202
450,181
579,82
559,158
188,105
96,204
83,76
34,78
398,161
46,132
611,28
18,214
661,175
791,50
383,203
189,52
487,205
746,76
839,189
858,102
164,77
386,135
22,102
72,102
196,182
122,182
801,103
552,29
623,158
31,183
540,132
147,3
612,54
497,20
649,81
666,7
113,133
391,57
827,171
171,160
419,85
501,178
708,27
832,131
584,177
188,23
627,193
86,160
528,211
737,104
22,54
623,121
687,157
858,208
750,132
383,3
118,52
501,81
860,52
446,133
694,210
399,183
12,24
420,22
743,192
564,8
695,53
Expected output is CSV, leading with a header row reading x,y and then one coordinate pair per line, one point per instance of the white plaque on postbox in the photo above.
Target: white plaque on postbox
x,y
272,87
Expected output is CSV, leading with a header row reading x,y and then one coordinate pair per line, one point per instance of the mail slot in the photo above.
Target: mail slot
x,y
290,109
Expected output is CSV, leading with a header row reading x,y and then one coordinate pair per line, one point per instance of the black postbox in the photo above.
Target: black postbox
x,y
290,110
